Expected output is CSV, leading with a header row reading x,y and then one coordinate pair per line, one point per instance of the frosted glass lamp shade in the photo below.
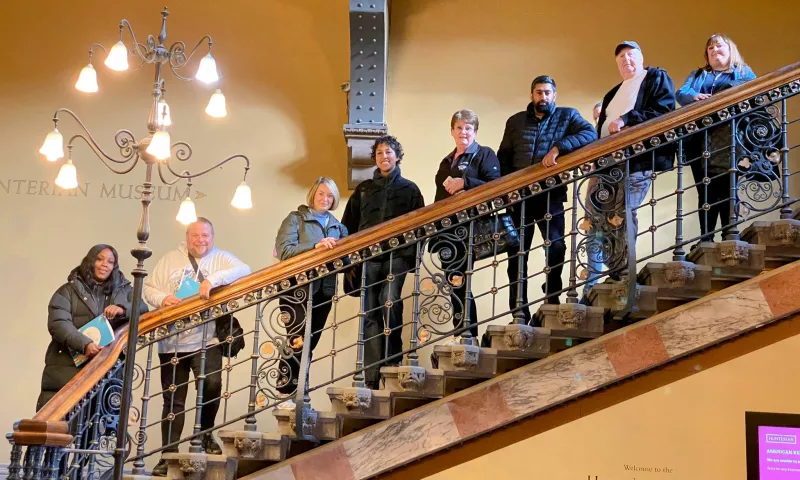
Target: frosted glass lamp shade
x,y
164,118
216,106
87,81
207,71
117,58
53,146
187,213
242,199
160,145
67,176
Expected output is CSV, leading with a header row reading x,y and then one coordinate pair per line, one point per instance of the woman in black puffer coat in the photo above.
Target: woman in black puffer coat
x,y
95,287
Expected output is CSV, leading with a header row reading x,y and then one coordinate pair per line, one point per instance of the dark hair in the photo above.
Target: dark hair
x,y
543,79
393,144
86,269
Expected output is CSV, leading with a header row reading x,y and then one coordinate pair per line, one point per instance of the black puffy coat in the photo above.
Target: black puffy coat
x,y
656,97
380,199
527,139
72,306
477,165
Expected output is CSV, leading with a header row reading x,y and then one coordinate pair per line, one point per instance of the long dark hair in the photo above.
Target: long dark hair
x,y
86,269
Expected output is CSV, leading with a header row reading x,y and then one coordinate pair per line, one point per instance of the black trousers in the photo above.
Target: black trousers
x,y
535,211
175,402
378,345
718,196
295,329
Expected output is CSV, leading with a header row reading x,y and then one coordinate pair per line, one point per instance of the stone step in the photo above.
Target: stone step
x,y
466,361
730,260
324,428
781,237
571,320
676,281
360,403
261,446
412,386
612,297
517,345
195,466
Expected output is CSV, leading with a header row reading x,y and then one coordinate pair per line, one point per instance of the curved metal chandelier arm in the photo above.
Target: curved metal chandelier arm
x,y
184,174
148,55
124,139
179,59
91,50
186,157
99,154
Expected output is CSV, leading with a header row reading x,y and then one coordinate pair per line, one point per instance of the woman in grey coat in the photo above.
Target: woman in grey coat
x,y
310,227
94,287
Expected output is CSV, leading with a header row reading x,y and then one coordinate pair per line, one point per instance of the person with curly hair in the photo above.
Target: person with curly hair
x,y
385,196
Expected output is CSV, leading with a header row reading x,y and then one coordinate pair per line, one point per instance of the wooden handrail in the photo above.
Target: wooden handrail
x,y
64,401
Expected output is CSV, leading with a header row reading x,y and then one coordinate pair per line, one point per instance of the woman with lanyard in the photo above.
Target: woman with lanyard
x,y
469,165
724,68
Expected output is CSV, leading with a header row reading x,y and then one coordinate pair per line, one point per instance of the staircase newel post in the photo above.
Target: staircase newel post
x,y
250,421
466,326
14,465
302,397
572,293
358,378
733,231
412,356
786,210
679,254
522,258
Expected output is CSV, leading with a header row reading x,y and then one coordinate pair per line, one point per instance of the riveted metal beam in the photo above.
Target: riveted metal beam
x,y
369,44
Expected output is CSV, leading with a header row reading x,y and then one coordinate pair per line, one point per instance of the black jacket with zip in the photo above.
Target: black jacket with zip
x,y
72,306
380,199
477,165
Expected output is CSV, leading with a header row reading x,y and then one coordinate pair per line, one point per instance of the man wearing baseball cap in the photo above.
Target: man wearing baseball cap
x,y
644,94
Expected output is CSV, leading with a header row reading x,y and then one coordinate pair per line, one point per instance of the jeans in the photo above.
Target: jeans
x,y
295,329
638,185
535,210
175,402
379,318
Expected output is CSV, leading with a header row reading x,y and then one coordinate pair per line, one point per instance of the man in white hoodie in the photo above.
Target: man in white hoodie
x,y
180,354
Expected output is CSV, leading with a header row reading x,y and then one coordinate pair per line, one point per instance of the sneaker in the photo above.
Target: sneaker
x,y
160,470
210,445
286,405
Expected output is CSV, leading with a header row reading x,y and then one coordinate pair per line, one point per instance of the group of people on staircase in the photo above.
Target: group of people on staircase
x,y
540,134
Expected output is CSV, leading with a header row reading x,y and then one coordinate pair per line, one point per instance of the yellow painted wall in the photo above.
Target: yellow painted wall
x,y
283,62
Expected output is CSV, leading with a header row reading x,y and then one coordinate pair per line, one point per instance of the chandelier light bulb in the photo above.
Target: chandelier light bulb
x,y
216,106
207,71
53,146
67,176
87,81
160,145
242,199
117,58
187,213
164,117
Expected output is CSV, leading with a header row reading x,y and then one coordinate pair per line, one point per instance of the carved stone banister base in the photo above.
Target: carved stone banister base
x,y
679,281
264,446
324,429
466,361
781,237
731,260
199,466
571,320
613,296
412,381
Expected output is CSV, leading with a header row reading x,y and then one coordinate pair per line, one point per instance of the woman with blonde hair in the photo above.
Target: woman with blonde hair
x,y
311,226
724,68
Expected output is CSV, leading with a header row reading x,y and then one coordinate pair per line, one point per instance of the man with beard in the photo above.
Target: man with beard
x,y
540,134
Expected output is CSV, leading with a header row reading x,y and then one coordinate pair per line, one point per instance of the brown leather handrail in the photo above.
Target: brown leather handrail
x,y
65,400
